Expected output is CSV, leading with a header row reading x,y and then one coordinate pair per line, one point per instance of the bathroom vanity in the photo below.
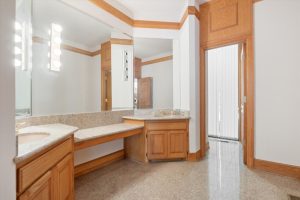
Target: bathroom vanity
x,y
163,138
45,167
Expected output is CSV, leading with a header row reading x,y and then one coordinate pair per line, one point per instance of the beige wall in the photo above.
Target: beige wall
x,y
7,101
277,81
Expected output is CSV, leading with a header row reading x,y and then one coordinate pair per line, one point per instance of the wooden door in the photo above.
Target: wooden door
x,y
177,147
64,180
42,189
106,99
144,95
157,144
137,68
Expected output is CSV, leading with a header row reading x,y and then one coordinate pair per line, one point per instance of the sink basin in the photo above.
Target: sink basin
x,y
24,138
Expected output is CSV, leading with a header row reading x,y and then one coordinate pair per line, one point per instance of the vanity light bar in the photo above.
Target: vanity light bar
x,y
125,65
20,34
55,47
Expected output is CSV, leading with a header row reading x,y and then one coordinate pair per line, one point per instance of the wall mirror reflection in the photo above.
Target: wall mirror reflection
x,y
79,64
153,73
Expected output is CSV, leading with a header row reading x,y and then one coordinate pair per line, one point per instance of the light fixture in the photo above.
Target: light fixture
x,y
20,45
125,65
54,44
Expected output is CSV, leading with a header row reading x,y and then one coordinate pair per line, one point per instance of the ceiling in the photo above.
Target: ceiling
x,y
156,10
77,27
145,48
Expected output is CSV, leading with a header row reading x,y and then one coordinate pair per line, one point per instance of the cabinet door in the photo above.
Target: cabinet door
x,y
42,189
157,145
64,180
177,147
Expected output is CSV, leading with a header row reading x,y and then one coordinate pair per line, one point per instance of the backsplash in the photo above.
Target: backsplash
x,y
161,112
81,120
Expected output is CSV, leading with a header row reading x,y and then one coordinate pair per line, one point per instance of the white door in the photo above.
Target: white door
x,y
222,87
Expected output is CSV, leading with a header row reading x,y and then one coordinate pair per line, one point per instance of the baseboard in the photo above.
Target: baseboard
x,y
99,163
194,156
278,168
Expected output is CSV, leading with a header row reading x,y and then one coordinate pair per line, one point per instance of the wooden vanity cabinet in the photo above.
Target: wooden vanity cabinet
x,y
167,143
49,176
161,140
157,145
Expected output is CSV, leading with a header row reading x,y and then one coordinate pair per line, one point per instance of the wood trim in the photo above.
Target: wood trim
x,y
29,173
107,138
278,168
157,60
77,50
184,17
113,11
156,24
255,1
191,10
247,39
202,89
42,152
194,156
121,41
98,163
68,47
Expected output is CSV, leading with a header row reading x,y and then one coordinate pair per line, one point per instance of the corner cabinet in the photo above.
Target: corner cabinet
x,y
161,140
48,176
167,139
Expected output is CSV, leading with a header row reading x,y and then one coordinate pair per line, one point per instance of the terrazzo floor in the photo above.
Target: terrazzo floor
x,y
220,176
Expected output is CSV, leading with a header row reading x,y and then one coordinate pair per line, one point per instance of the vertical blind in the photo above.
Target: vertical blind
x,y
222,86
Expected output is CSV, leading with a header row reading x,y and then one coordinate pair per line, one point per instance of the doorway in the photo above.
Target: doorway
x,y
224,92
247,96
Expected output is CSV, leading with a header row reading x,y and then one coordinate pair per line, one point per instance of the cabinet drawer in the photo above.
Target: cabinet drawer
x,y
174,125
32,171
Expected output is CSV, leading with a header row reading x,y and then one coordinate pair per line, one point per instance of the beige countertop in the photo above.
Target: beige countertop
x,y
91,133
56,133
153,117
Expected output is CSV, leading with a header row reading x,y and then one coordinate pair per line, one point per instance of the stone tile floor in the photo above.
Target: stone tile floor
x,y
220,176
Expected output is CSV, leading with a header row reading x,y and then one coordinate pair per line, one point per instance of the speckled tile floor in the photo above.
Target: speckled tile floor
x,y
221,176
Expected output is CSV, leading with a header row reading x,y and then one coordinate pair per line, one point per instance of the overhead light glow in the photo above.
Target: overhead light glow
x,y
55,51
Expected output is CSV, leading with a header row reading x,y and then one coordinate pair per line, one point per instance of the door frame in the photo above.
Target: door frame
x,y
248,145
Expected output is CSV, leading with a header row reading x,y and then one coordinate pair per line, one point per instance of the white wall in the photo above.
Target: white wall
x,y
74,89
7,101
162,74
88,154
188,51
277,80
122,91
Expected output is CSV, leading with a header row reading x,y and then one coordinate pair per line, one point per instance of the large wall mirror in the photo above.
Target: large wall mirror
x,y
153,83
72,63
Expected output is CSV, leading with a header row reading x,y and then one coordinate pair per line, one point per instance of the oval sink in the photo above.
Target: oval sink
x,y
31,137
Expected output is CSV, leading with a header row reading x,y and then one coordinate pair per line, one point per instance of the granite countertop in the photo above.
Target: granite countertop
x,y
153,117
91,133
56,133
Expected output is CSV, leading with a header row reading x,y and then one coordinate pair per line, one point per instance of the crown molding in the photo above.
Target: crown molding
x,y
157,60
67,47
190,10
